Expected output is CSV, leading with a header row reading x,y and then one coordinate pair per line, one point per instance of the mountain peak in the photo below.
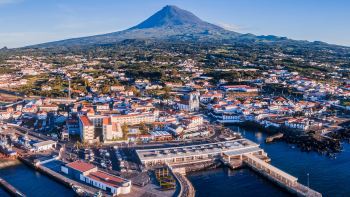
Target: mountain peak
x,y
169,17
171,23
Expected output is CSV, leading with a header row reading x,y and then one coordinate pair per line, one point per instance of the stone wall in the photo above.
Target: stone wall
x,y
187,189
206,165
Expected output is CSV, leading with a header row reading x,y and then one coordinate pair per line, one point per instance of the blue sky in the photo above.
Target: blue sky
x,y
26,22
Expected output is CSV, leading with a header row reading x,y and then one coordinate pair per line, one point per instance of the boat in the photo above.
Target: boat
x,y
291,146
98,194
17,143
27,146
6,148
80,192
25,138
13,137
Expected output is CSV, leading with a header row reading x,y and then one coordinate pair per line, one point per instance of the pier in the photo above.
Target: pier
x,y
278,177
10,189
234,154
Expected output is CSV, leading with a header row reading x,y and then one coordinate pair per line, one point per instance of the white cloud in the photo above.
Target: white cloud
x,y
230,26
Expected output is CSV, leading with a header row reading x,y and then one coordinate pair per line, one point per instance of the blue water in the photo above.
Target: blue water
x,y
32,183
328,176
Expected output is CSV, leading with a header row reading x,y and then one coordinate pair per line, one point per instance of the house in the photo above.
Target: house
x,y
5,115
73,127
48,108
46,88
175,129
161,135
243,88
197,120
42,115
117,88
222,81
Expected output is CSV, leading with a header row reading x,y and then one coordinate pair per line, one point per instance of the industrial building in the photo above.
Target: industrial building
x,y
91,175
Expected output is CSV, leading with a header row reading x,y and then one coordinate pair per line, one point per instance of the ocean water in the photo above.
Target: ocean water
x,y
32,183
328,175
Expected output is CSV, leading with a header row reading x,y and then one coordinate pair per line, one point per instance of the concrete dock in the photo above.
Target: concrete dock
x,y
10,189
60,178
278,177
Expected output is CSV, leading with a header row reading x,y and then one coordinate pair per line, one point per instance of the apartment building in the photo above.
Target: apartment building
x,y
87,129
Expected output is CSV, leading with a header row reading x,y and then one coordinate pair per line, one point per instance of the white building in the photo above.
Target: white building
x,y
45,145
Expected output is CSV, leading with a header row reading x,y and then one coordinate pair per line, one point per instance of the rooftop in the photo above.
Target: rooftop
x,y
81,166
106,178
186,151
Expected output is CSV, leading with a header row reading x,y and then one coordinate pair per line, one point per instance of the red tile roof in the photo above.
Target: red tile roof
x,y
80,166
106,178
85,120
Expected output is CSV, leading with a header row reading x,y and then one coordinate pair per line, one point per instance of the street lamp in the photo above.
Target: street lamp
x,y
308,182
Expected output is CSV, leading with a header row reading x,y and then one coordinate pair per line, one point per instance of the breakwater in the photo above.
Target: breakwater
x,y
187,189
10,189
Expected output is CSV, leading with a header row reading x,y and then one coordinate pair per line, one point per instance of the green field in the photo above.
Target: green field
x,y
345,102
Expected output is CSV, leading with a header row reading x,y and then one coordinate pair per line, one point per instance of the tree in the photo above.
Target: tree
x,y
105,89
152,126
77,144
174,72
167,89
125,130
96,144
166,96
143,128
182,134
101,144
160,126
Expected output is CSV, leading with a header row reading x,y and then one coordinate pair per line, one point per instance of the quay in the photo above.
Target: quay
x,y
59,177
234,154
10,189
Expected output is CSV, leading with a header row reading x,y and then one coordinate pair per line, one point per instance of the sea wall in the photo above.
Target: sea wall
x,y
206,165
187,189
199,165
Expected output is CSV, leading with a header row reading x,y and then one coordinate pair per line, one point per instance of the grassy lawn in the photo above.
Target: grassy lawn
x,y
345,102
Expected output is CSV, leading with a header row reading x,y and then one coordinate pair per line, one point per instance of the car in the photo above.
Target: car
x,y
109,167
31,128
123,169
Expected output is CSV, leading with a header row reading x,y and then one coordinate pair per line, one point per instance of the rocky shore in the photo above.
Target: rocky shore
x,y
342,134
319,144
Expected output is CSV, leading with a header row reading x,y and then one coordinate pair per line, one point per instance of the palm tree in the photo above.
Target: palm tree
x,y
101,144
160,126
77,144
152,126
182,134
96,144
